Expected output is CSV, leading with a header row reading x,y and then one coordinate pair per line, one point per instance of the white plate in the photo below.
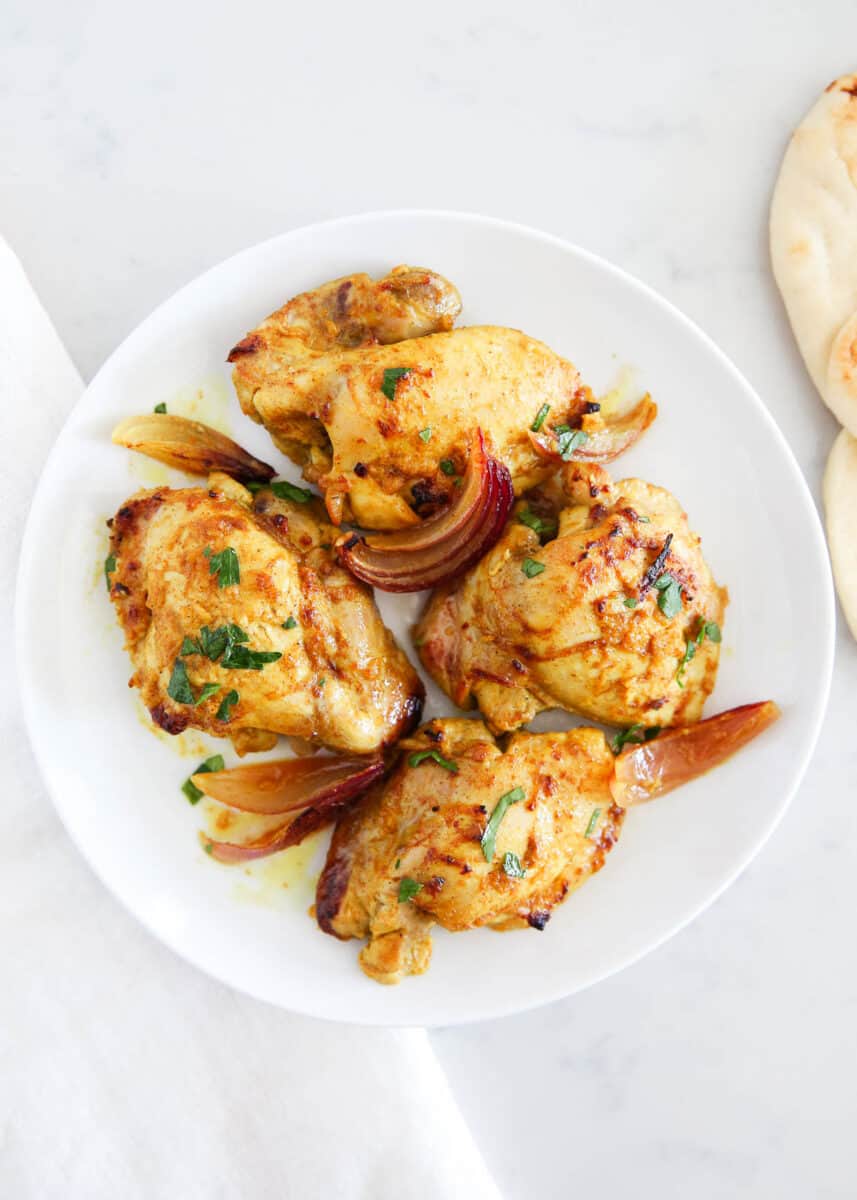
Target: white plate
x,y
116,785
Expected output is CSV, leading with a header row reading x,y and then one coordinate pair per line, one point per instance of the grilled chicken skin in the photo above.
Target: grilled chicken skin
x,y
211,589
424,826
585,621
377,398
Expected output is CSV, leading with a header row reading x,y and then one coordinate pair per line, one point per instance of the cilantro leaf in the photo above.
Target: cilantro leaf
x,y
194,795
242,658
634,736
435,755
425,434
489,837
224,713
512,866
447,466
707,629
593,821
531,567
669,595
408,888
208,690
160,408
392,375
284,490
179,688
540,418
109,568
290,623
539,524
570,440
225,566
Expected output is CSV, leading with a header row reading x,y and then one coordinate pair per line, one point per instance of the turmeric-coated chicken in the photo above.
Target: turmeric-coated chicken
x,y
240,622
412,852
616,617
366,386
468,832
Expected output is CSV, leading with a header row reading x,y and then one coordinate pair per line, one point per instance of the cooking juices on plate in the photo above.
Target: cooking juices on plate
x,y
470,460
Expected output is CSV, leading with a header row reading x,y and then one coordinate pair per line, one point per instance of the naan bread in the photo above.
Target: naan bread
x,y
814,244
840,506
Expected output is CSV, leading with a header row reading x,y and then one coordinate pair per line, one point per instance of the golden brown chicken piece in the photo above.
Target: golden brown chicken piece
x,y
377,400
616,618
465,833
412,852
241,623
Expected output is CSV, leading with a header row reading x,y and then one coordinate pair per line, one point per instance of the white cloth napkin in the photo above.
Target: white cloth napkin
x,y
124,1072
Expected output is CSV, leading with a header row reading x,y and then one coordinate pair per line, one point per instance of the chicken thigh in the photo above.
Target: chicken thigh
x,y
240,622
466,832
413,853
378,400
616,618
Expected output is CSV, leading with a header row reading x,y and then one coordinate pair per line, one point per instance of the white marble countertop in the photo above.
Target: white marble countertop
x,y
140,146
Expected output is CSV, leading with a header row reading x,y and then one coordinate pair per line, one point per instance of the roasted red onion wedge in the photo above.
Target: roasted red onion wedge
x,y
601,445
446,544
310,791
189,446
679,755
289,784
291,833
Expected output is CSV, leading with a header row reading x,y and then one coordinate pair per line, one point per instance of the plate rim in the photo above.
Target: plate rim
x,y
826,609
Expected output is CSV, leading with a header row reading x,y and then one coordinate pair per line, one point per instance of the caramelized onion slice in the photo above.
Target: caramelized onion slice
x,y
446,544
290,833
602,445
309,792
679,755
189,446
289,785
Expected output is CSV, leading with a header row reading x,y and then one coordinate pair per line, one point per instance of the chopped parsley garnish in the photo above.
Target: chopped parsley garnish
x,y
179,688
109,568
254,486
392,375
630,602
213,642
531,567
539,524
540,418
194,795
226,643
489,837
408,888
435,755
569,440
447,466
512,866
208,690
425,434
708,629
284,490
225,566
290,623
593,821
224,713
160,408
242,658
634,736
669,595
